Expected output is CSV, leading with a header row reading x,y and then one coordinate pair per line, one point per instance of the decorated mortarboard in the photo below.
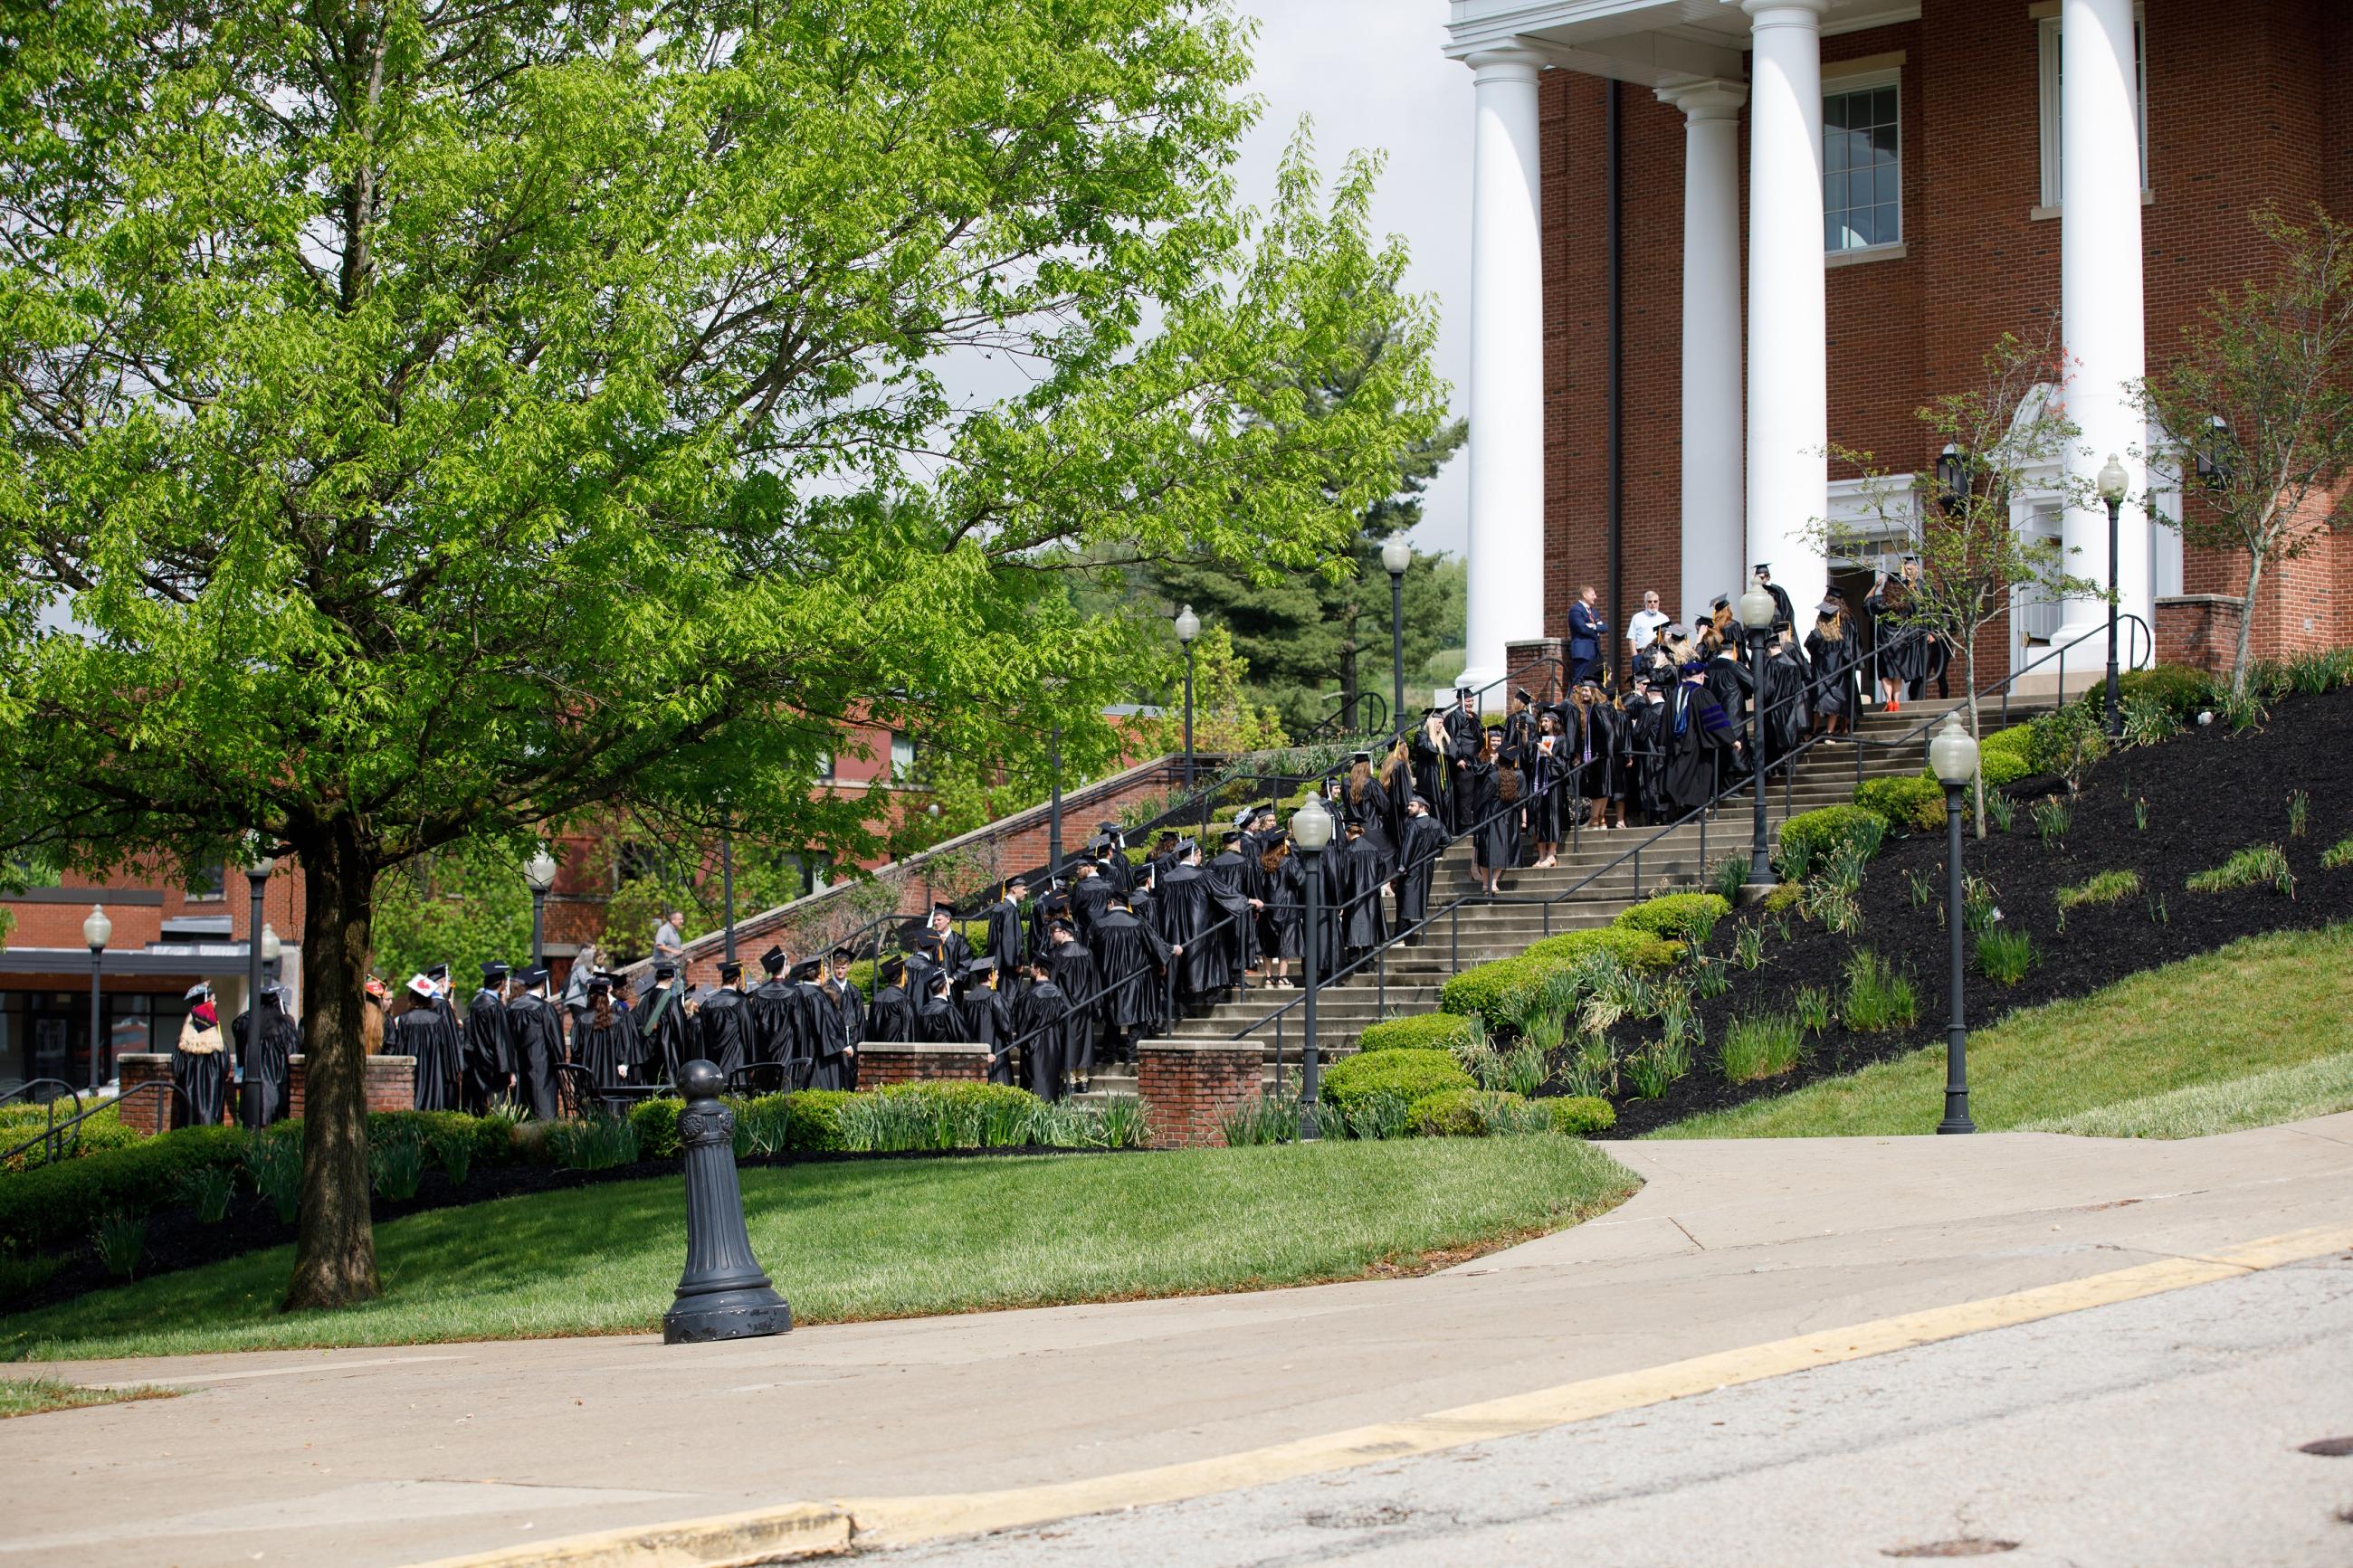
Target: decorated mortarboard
x,y
730,968
200,990
493,971
665,970
773,959
422,985
1244,815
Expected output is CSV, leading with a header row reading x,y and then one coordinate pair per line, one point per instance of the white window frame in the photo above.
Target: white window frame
x,y
2048,49
1838,87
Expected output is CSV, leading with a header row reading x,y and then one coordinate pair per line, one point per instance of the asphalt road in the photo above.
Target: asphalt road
x,y
2158,1432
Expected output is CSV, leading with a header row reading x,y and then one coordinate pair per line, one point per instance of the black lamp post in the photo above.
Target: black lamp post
x,y
1952,478
540,872
1311,829
97,931
1758,609
1397,555
2213,460
257,877
1188,627
1953,758
2113,483
723,1293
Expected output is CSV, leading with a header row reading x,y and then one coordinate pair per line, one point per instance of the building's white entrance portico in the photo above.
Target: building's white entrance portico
x,y
1755,413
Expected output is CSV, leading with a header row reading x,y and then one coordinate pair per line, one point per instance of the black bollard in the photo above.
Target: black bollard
x,y
722,1295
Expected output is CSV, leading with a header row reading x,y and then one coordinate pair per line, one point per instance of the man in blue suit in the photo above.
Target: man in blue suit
x,y
1587,635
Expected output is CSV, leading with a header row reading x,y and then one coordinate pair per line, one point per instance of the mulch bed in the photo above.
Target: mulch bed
x,y
2209,793
177,1239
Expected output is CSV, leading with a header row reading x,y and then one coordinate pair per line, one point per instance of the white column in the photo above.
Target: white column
x,y
2100,303
1505,554
1715,531
1788,376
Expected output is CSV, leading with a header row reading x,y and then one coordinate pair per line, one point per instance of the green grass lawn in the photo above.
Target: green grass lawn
x,y
32,1395
882,1239
2253,1034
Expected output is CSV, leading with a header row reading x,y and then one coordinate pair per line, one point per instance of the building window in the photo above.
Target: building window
x,y
902,757
638,862
2053,183
824,767
1863,165
209,881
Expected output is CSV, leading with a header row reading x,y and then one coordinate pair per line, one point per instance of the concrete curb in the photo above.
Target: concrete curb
x,y
796,1530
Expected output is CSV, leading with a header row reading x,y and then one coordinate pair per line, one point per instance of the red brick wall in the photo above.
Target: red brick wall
x,y
53,922
391,1084
149,1113
2242,110
1189,1087
880,1063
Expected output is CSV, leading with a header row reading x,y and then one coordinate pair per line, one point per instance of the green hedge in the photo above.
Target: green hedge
x,y
2018,739
1429,1032
1823,831
1575,1115
2180,688
1459,1112
1408,1075
1784,896
1913,801
1678,917
103,1131
1634,949
64,1201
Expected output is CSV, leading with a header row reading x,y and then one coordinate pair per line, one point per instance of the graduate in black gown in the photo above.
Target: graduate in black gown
x,y
1130,959
603,1042
1282,891
489,1049
661,1038
937,1021
423,1032
774,1003
444,1004
1429,768
984,1017
1182,910
1786,683
1729,681
1465,737
891,1014
1007,942
848,1000
1089,896
1040,1021
724,1033
535,1033
954,953
836,1055
1363,874
1696,732
200,1065
1763,572
1231,942
1554,781
1109,850
1419,847
1365,803
1599,745
1073,966
1640,730
281,1038
1833,656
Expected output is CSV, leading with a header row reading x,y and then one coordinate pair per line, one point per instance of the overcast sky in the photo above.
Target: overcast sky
x,y
1371,74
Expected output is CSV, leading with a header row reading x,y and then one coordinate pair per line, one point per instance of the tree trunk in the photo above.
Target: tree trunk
x,y
334,1244
2246,624
1969,687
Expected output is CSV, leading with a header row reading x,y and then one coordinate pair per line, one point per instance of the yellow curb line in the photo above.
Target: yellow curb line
x,y
902,1520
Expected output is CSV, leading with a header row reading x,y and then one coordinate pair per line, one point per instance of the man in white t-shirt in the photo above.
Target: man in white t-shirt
x,y
1645,623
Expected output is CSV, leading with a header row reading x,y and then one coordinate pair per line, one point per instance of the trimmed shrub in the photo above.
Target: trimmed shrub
x,y
25,1119
66,1201
2180,689
1824,831
656,1121
2066,742
1678,917
1575,1115
1635,948
1916,803
2018,741
487,1138
1785,896
1429,1032
1409,1075
1459,1112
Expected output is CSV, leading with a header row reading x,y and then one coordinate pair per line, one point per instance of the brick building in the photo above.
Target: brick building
x,y
1825,213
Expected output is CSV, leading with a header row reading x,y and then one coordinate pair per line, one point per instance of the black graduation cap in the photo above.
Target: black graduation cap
x,y
1721,601
807,970
1417,800
1112,828
1166,840
1464,691
1676,632
438,971
1063,928
982,965
1367,756
1278,838
665,970
730,968
844,952
773,959
938,980
533,977
599,982
943,908
1763,568
1230,837
493,971
1017,880
890,968
1521,693
1911,561
1827,608
1099,843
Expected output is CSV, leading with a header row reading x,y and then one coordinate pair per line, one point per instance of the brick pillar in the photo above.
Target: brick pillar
x,y
391,1084
1188,1086
882,1062
2201,630
150,1113
1545,684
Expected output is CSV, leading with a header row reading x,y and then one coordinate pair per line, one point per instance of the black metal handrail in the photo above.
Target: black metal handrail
x,y
163,1086
1787,763
49,1135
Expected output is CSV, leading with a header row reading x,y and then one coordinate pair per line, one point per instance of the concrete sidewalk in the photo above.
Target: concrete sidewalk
x,y
385,1456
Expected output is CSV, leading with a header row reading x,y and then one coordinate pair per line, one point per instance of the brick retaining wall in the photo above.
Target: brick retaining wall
x,y
391,1084
1189,1087
882,1062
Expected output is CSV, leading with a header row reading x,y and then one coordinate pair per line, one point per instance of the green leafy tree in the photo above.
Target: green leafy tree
x,y
1974,561
430,423
462,906
1225,715
2260,389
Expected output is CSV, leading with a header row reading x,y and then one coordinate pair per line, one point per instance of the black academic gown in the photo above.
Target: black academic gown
x,y
536,1034
891,1014
1363,867
281,1036
1230,945
607,1050
1428,770
1129,958
424,1033
938,1021
1424,842
726,1035
833,1066
1040,1021
1088,901
1605,738
984,1018
1696,733
1072,966
1786,712
1182,912
490,1052
1464,736
200,1072
1832,694
776,1022
1285,915
1006,941
662,1041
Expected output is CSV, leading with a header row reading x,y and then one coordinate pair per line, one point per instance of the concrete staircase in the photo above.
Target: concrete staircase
x,y
1408,980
